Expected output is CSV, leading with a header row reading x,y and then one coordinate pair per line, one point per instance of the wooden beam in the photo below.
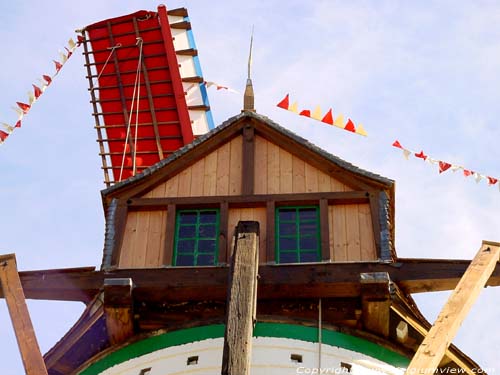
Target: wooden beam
x,y
118,309
375,301
241,300
168,252
248,160
20,317
324,229
270,231
120,221
347,197
223,233
296,280
433,348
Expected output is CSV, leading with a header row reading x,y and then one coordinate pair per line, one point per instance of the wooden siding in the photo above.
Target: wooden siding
x,y
252,214
351,233
218,173
143,240
278,171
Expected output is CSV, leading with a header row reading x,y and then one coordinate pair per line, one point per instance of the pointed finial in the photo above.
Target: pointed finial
x,y
248,99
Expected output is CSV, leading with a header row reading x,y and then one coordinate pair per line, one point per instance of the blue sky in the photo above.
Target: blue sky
x,y
426,73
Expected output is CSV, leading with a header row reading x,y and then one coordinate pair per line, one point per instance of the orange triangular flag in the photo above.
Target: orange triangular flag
x,y
328,118
284,103
294,107
339,121
317,113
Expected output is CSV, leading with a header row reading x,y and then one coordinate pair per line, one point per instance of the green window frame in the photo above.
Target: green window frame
x,y
196,237
297,234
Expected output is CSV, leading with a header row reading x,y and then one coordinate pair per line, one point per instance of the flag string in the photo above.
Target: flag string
x,y
23,108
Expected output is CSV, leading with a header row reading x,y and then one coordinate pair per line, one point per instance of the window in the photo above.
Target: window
x,y
297,234
196,237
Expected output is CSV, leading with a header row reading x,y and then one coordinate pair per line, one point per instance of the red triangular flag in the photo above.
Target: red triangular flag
x,y
468,173
58,65
284,103
80,39
3,135
328,118
397,144
350,126
443,166
221,87
38,91
18,124
69,52
25,107
305,112
47,79
492,180
421,155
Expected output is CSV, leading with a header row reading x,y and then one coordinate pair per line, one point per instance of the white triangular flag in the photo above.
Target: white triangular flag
x,y
478,177
406,153
7,127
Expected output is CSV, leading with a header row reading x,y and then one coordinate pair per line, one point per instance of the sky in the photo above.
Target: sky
x,y
425,73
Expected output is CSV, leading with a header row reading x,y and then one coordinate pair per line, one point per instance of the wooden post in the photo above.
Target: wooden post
x,y
376,301
19,315
118,309
433,348
241,300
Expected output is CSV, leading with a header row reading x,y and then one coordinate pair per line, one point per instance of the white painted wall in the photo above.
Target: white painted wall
x,y
270,356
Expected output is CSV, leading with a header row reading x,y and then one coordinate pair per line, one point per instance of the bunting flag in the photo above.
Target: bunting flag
x,y
219,86
443,166
327,118
23,108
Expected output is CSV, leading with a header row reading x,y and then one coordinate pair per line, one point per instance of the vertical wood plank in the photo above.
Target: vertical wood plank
x,y
223,232
129,241
375,213
273,168
248,160
339,234
172,186
260,166
260,215
119,231
286,171
235,166
223,166
324,229
185,183
18,310
367,242
197,174
270,231
311,176
352,227
141,239
336,185
168,250
331,243
155,239
210,174
233,218
298,175
323,182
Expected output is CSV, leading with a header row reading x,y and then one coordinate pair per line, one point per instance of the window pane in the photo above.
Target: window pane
x,y
308,228
287,214
206,246
307,214
309,257
185,260
188,217
308,243
205,260
185,246
207,231
287,229
208,217
187,231
288,257
288,244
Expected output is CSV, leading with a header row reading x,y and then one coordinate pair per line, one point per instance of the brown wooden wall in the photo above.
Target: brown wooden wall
x,y
219,173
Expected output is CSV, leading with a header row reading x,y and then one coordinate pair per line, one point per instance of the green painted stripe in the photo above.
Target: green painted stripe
x,y
290,331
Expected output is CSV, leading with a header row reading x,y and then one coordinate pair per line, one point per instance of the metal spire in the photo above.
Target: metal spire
x,y
248,98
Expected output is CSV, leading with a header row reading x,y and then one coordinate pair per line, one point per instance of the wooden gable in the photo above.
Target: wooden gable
x,y
247,170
